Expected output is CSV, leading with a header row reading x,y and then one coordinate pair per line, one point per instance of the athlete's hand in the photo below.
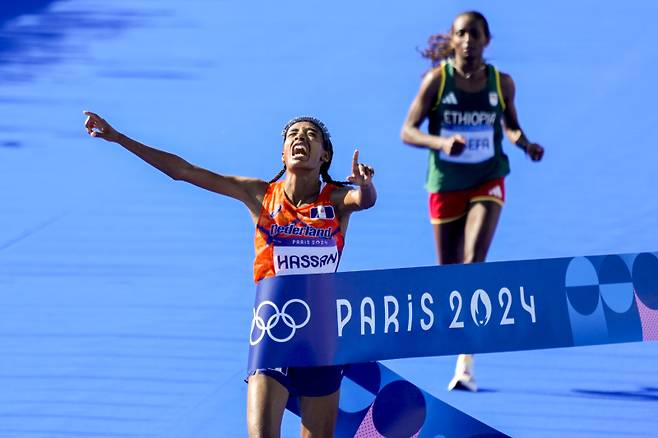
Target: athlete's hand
x,y
361,173
97,127
454,145
534,151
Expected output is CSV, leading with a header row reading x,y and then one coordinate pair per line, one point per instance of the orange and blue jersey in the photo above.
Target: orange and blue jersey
x,y
297,240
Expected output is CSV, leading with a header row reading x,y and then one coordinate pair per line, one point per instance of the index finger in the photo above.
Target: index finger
x,y
90,114
355,162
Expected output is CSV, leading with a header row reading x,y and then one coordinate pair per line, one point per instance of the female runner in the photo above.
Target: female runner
x,y
307,200
468,104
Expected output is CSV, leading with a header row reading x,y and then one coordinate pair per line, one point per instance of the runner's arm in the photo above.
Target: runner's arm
x,y
418,111
248,190
511,123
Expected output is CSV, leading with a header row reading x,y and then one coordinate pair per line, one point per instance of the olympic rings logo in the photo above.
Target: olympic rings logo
x,y
266,327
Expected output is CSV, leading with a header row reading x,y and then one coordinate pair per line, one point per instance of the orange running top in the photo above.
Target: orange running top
x,y
297,240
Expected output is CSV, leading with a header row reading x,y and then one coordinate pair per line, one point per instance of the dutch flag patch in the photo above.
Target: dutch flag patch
x,y
322,212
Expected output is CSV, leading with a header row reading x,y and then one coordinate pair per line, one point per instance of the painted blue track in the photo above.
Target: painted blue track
x,y
125,297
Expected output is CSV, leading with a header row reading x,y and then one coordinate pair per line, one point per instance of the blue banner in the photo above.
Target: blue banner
x,y
375,402
355,317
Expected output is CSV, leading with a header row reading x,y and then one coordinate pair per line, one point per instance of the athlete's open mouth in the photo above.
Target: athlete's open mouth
x,y
299,149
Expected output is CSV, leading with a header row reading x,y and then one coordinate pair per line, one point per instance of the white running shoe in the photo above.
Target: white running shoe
x,y
463,379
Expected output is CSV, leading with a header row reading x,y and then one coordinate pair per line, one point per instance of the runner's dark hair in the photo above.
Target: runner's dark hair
x,y
326,145
438,45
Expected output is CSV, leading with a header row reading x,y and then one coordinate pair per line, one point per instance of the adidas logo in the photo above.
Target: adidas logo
x,y
450,99
497,192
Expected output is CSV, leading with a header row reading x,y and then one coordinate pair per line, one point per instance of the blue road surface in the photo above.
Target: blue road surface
x,y
125,297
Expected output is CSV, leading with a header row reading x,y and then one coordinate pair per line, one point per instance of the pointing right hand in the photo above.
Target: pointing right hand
x,y
97,127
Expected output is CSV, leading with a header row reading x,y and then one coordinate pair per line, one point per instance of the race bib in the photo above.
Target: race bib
x,y
479,143
300,255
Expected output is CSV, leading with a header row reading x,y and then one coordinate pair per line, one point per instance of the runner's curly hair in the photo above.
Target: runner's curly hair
x,y
326,144
438,45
